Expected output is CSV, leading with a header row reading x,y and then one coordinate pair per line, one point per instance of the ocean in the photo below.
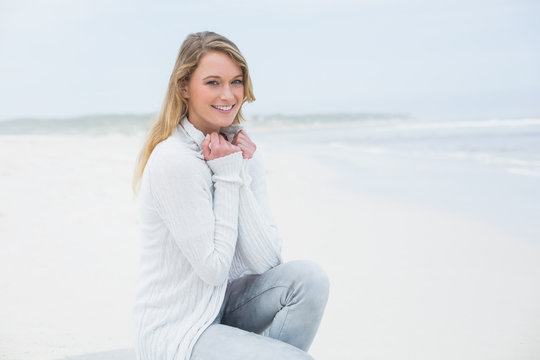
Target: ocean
x,y
488,170
512,144
485,170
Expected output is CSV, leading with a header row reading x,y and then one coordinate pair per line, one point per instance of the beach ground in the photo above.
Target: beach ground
x,y
407,281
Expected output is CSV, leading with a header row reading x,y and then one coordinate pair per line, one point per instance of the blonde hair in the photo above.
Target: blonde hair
x,y
175,106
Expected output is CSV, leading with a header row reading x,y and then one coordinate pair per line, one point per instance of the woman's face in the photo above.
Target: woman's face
x,y
214,92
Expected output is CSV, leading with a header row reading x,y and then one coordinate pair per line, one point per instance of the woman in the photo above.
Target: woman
x,y
211,278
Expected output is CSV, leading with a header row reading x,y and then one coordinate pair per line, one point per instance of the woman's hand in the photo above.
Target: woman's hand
x,y
242,140
215,146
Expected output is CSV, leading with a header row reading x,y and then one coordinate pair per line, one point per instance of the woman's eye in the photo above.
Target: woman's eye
x,y
214,82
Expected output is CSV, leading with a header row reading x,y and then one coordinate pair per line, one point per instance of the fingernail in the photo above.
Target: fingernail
x,y
207,137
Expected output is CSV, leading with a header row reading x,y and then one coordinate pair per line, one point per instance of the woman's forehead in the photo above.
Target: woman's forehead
x,y
218,64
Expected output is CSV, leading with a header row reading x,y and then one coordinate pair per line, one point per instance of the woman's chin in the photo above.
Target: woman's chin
x,y
226,120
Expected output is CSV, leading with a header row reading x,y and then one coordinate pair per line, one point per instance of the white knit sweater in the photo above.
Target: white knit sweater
x,y
202,223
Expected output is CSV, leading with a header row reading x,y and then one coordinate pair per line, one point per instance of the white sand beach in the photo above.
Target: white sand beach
x,y
408,281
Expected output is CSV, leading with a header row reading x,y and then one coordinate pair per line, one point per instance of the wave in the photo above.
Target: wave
x,y
137,123
91,124
520,164
130,124
491,123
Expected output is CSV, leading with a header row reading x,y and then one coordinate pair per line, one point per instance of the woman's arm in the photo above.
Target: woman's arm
x,y
205,233
259,241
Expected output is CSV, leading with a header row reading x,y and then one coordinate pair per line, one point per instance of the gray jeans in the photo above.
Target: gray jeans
x,y
285,304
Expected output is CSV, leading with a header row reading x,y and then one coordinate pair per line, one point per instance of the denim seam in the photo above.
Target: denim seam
x,y
283,324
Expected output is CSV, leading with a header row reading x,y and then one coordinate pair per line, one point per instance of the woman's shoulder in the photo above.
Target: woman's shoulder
x,y
171,153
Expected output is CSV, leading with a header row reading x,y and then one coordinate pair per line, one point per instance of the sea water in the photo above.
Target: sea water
x,y
485,170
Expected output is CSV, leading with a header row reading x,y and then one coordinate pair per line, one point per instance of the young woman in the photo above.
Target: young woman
x,y
211,283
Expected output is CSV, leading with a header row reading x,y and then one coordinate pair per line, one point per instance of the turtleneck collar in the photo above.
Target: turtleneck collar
x,y
198,137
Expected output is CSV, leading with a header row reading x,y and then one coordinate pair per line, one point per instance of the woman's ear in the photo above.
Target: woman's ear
x,y
184,92
183,89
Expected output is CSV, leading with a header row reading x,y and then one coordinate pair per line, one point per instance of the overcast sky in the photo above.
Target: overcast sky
x,y
433,59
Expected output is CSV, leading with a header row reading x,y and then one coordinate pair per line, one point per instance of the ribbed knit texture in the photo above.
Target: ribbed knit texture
x,y
202,223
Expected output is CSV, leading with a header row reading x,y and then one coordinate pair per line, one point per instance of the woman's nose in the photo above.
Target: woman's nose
x,y
227,93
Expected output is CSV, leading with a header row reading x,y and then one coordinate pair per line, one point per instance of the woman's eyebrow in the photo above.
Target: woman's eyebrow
x,y
219,77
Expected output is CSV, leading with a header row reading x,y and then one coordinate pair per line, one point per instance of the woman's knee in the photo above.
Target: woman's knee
x,y
308,275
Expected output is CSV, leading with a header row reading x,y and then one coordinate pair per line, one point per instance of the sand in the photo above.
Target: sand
x,y
407,281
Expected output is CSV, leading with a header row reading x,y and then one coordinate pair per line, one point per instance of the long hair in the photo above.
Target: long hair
x,y
175,106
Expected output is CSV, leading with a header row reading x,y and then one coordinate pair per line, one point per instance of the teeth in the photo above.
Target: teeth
x,y
224,108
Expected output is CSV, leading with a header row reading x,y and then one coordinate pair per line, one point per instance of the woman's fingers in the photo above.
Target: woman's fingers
x,y
245,154
222,139
240,135
244,142
206,147
236,135
247,151
214,138
217,147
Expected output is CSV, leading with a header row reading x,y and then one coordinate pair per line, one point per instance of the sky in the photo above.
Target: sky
x,y
435,59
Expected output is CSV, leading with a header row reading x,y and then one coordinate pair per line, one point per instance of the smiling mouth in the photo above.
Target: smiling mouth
x,y
223,108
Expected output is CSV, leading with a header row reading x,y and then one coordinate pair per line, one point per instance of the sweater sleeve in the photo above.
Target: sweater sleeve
x,y
206,231
259,241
